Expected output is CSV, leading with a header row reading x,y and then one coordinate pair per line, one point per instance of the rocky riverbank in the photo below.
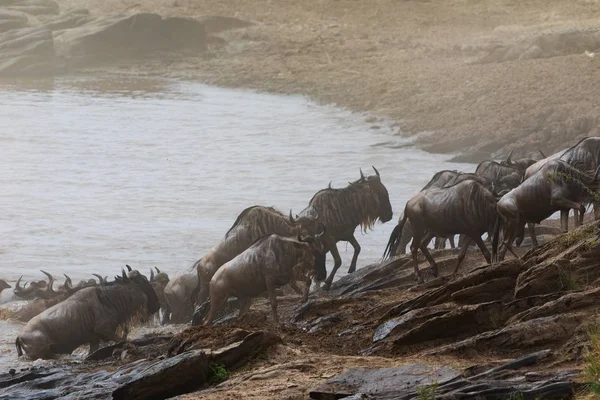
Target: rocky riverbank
x,y
480,78
519,326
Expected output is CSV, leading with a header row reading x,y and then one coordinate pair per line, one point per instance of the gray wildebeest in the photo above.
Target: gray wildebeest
x,y
555,187
252,224
362,202
584,156
271,262
159,283
440,179
466,208
89,316
180,296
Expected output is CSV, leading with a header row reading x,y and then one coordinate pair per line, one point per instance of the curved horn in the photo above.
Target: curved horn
x,y
322,232
375,169
18,284
292,221
129,269
362,176
49,288
124,277
151,275
509,158
157,270
543,155
68,281
329,186
100,279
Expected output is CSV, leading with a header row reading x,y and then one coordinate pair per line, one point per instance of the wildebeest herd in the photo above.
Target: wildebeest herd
x,y
265,249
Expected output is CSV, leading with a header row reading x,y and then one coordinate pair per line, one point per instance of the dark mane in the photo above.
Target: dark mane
x,y
333,190
436,177
574,146
246,212
260,240
353,204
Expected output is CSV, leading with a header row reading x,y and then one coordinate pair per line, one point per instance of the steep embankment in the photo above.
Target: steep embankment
x,y
484,76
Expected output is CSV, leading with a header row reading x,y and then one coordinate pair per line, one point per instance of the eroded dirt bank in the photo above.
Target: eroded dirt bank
x,y
485,76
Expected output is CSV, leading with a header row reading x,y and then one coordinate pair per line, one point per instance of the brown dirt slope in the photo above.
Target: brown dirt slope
x,y
416,62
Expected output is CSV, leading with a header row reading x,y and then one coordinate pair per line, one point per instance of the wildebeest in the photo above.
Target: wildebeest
x,y
362,202
555,187
159,282
272,261
466,208
439,179
252,223
179,296
584,156
521,164
89,316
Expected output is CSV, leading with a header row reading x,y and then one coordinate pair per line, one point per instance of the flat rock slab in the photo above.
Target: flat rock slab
x,y
119,37
384,383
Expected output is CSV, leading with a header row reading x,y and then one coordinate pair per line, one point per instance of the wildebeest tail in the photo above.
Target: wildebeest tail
x,y
395,238
19,346
195,265
495,239
321,268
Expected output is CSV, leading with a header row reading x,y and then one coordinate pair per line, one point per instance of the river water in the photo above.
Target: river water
x,y
97,172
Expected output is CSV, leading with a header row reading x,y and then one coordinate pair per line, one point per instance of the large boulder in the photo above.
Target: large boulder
x,y
32,7
12,20
128,36
26,52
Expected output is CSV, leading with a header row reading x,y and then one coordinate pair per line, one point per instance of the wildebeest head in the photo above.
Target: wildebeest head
x,y
317,249
134,277
508,182
385,207
307,222
521,164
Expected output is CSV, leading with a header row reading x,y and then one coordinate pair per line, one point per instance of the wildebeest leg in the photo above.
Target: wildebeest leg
x,y
414,249
107,335
440,243
452,244
337,264
512,226
564,220
579,221
272,298
427,254
94,346
532,234
294,285
244,306
217,302
356,246
307,289
486,253
166,316
463,253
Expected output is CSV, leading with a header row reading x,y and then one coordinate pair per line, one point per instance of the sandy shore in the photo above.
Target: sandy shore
x,y
412,61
